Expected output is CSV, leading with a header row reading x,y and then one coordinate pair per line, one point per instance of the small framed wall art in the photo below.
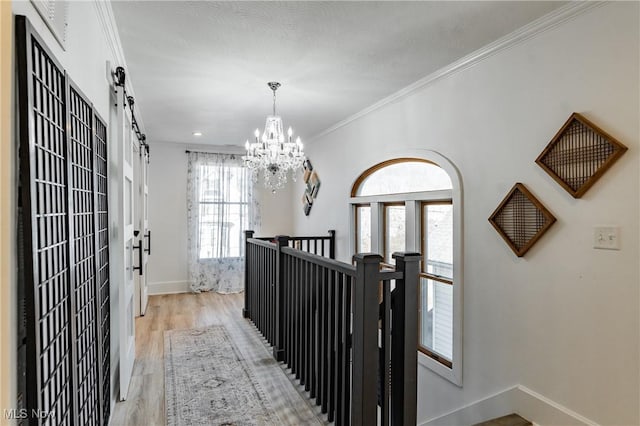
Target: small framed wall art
x,y
314,182
579,154
312,186
521,219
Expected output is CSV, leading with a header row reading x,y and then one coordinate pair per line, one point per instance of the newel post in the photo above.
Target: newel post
x,y
364,407
404,341
332,244
247,260
278,346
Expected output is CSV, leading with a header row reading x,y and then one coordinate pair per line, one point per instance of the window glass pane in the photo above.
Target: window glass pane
x,y
221,226
363,236
223,184
224,210
402,177
436,323
394,233
437,239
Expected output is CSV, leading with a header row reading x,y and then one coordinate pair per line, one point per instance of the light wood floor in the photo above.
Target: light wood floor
x,y
145,404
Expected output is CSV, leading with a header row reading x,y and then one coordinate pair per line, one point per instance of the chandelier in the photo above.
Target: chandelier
x,y
273,153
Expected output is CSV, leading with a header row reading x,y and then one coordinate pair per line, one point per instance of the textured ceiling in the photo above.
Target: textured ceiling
x,y
204,65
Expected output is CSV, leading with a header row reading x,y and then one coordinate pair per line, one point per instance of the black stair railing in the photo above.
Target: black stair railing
x,y
349,343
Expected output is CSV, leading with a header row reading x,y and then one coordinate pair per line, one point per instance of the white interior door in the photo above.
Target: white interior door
x,y
138,277
126,189
146,232
141,293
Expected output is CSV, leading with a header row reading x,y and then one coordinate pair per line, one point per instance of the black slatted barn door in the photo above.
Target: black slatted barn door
x,y
44,195
80,143
102,258
63,194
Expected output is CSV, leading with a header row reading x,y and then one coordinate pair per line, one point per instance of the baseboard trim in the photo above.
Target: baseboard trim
x,y
169,287
490,407
543,411
518,399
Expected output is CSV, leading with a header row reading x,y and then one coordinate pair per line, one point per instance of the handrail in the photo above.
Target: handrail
x,y
390,275
320,237
263,243
335,265
322,317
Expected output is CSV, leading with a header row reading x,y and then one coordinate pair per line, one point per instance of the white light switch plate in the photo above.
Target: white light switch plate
x,y
606,237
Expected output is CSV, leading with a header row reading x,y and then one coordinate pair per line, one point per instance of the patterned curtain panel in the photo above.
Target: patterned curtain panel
x,y
220,207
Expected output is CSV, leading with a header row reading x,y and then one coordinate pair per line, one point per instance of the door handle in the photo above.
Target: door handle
x,y
148,249
139,248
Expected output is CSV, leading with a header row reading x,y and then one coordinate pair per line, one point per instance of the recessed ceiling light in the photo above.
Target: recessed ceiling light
x,y
197,133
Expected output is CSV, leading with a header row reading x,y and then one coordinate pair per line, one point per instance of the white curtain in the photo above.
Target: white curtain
x,y
220,207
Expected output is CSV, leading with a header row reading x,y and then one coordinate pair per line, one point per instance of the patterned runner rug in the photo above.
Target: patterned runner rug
x,y
208,382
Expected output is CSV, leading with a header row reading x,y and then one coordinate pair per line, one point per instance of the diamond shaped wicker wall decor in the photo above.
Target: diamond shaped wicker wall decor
x,y
579,154
521,219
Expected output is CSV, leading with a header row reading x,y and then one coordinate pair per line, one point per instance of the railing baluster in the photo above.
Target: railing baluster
x,y
347,353
254,295
303,325
263,291
291,281
301,353
269,302
404,357
259,289
247,281
339,351
384,369
296,320
272,299
315,332
258,279
268,307
324,339
278,299
309,328
331,345
299,320
267,298
275,290
332,244
365,340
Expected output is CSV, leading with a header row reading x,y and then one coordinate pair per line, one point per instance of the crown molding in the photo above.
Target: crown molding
x,y
108,24
540,25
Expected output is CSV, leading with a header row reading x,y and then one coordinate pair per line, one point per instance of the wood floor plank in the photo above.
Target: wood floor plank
x,y
145,403
510,420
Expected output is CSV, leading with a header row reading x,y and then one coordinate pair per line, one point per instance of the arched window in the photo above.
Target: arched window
x,y
413,204
390,177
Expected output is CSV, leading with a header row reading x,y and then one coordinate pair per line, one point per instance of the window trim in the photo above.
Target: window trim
x,y
357,224
384,206
453,374
433,277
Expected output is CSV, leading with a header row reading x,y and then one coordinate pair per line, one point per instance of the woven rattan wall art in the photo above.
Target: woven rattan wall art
x,y
579,154
312,186
521,219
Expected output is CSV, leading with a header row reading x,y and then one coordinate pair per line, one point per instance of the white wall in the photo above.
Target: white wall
x,y
88,47
564,320
168,214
